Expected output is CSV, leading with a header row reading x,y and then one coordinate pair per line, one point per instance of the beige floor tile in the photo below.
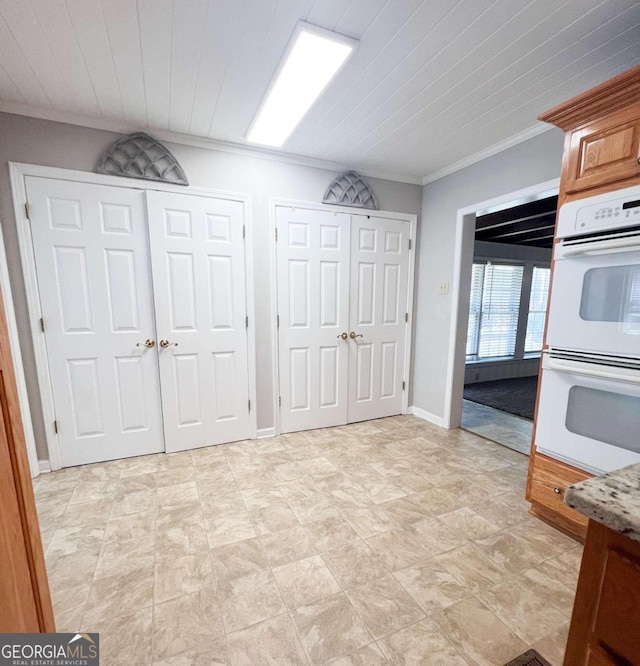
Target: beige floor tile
x,y
288,546
174,460
467,524
70,599
384,606
370,521
183,575
564,568
136,466
74,569
436,537
274,518
131,526
121,593
471,567
313,508
422,644
527,614
126,639
175,476
67,540
207,654
120,557
259,498
409,509
354,564
477,633
499,512
134,502
250,599
330,629
331,533
231,528
181,539
305,582
187,622
180,493
369,655
137,483
238,559
509,552
93,491
432,586
400,548
273,642
552,647
550,589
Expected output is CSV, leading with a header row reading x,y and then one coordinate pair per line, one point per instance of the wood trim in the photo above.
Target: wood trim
x,y
610,96
28,529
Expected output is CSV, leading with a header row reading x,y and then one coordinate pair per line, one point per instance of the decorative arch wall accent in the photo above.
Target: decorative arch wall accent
x,y
351,189
139,155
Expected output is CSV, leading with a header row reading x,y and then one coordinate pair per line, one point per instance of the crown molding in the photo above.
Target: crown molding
x,y
496,148
199,142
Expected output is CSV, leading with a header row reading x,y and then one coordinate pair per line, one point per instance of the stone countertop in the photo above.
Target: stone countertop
x,y
612,499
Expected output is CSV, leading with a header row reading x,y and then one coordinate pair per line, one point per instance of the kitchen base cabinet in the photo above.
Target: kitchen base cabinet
x,y
546,484
605,625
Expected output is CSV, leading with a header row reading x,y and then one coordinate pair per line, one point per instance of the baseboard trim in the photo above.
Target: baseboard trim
x,y
428,416
44,466
264,433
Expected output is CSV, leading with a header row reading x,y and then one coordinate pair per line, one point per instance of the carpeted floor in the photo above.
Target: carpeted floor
x,y
514,396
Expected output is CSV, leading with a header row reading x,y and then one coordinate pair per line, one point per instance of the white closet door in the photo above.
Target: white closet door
x,y
379,282
313,307
92,261
197,255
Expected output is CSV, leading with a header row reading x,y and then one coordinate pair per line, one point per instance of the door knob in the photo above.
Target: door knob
x,y
165,343
353,335
344,336
147,343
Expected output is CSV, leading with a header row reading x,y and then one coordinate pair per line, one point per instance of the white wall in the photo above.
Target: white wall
x,y
56,144
531,162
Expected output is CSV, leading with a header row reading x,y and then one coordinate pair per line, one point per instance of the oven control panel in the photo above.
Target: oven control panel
x,y
605,211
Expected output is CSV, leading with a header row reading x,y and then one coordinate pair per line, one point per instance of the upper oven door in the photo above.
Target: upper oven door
x,y
595,298
589,415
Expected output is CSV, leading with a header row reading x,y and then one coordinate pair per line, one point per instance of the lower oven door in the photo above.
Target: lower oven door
x,y
589,415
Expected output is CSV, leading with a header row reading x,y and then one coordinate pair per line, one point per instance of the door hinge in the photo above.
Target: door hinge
x,y
42,324
403,385
246,321
276,234
244,232
249,405
406,316
55,427
279,401
278,321
409,243
27,211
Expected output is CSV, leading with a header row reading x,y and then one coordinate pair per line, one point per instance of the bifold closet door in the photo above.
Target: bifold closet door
x,y
313,311
94,280
378,315
198,265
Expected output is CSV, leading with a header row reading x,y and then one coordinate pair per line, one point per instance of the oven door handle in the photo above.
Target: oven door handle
x,y
629,244
577,368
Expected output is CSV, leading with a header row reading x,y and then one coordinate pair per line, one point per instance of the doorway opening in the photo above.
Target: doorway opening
x,y
504,268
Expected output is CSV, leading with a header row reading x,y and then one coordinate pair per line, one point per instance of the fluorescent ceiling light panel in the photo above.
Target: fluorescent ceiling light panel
x,y
313,57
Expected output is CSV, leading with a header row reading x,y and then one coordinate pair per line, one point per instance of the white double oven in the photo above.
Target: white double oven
x,y
589,405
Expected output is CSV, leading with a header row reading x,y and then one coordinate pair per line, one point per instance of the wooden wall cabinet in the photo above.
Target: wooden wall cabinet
x,y
601,154
605,625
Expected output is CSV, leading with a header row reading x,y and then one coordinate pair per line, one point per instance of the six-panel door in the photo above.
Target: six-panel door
x,y
340,274
378,316
197,256
313,310
92,261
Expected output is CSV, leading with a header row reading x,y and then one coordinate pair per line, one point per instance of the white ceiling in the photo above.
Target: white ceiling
x,y
432,83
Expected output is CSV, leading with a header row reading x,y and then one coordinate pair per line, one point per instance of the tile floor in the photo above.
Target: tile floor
x,y
391,541
506,429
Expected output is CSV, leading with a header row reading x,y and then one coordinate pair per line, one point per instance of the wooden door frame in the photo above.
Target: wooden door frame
x,y
16,355
274,203
18,172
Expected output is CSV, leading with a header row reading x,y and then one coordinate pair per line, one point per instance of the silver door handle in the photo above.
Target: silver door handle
x,y
165,343
147,343
353,335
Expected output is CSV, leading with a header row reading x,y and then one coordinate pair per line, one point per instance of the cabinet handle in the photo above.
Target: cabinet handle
x,y
557,491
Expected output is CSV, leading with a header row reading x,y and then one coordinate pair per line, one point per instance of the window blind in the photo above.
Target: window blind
x,y
475,305
537,309
499,312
